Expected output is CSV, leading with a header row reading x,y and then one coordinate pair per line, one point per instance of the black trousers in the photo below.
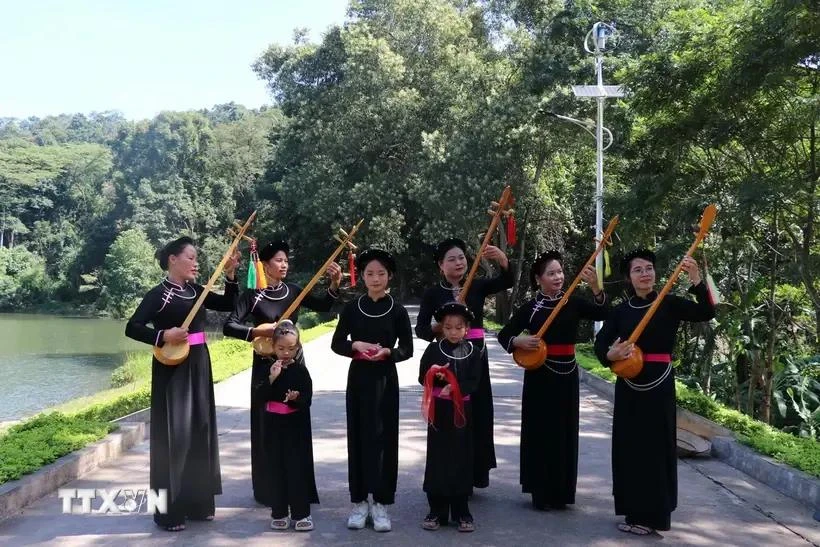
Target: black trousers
x,y
299,505
448,506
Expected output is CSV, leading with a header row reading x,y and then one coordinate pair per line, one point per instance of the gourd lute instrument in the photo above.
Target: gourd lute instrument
x,y
531,359
501,209
263,345
633,365
172,354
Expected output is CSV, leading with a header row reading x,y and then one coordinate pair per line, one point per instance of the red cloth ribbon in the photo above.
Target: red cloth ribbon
x,y
351,266
428,401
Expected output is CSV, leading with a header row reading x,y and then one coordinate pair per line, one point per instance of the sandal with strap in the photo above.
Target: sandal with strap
x,y
304,525
280,524
636,529
174,527
465,524
431,522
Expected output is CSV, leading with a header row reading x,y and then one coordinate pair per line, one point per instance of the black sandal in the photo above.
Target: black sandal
x,y
431,522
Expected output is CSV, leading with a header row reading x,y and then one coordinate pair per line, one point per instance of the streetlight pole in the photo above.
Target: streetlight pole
x,y
598,36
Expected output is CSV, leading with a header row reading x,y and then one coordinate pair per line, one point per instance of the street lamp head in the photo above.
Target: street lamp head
x,y
600,33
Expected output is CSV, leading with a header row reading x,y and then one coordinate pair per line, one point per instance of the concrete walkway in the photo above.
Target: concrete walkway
x,y
717,504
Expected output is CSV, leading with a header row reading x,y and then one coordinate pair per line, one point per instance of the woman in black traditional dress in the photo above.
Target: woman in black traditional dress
x,y
450,370
265,306
451,258
368,330
286,395
550,398
644,452
184,457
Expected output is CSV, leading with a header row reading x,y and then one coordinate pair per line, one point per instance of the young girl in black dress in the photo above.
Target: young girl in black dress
x,y
285,396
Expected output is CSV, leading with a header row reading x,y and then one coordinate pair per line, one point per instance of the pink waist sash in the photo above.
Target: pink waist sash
x,y
657,357
196,338
475,334
276,407
438,395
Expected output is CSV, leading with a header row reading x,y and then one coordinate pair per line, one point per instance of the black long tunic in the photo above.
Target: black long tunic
x,y
288,438
184,451
448,469
644,458
550,398
482,399
372,398
266,306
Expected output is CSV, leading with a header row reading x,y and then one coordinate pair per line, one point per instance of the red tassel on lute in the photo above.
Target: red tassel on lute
x,y
511,235
351,266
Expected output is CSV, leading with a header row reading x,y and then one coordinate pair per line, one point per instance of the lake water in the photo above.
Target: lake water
x,y
46,360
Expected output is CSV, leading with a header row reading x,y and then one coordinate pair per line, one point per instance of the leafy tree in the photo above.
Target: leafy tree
x,y
130,269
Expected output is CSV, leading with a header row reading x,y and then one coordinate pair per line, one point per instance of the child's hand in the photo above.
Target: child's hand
x,y
440,375
291,395
275,370
445,391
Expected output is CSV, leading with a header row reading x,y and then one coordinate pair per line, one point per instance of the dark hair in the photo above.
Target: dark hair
x,y
173,248
627,259
540,265
444,247
268,251
383,257
284,328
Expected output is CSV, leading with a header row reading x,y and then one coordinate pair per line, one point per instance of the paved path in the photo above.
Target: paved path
x,y
718,505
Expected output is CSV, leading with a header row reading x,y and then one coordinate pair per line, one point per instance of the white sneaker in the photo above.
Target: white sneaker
x,y
358,516
381,520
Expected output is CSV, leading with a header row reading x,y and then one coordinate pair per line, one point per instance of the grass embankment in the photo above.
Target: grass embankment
x,y
798,452
38,441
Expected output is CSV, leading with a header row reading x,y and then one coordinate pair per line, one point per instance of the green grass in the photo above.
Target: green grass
x,y
799,452
27,446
